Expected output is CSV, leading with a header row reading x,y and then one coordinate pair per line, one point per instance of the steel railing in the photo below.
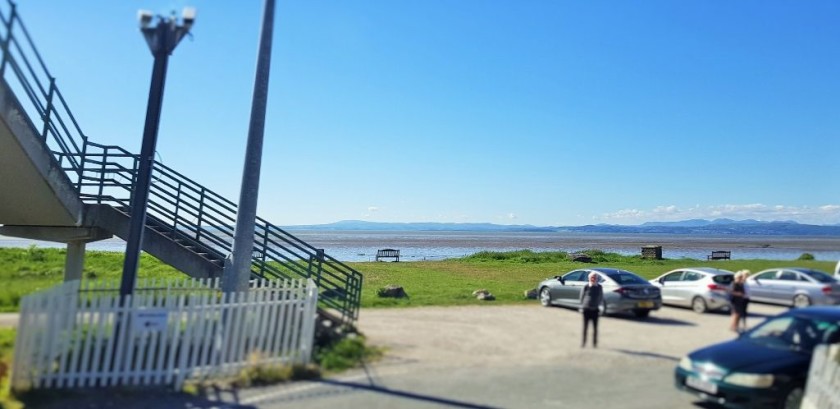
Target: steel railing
x,y
178,207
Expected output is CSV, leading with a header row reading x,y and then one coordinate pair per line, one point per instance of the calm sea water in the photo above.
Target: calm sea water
x,y
425,245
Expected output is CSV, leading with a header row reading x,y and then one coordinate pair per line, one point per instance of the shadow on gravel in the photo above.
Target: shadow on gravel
x,y
648,354
405,394
348,387
134,398
654,320
707,405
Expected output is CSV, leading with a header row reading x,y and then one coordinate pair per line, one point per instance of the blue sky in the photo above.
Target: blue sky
x,y
511,112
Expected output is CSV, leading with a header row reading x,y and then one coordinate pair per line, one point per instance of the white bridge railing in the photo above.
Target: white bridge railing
x,y
76,335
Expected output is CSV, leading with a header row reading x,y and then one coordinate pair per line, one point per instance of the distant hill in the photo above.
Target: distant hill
x,y
378,226
693,226
718,227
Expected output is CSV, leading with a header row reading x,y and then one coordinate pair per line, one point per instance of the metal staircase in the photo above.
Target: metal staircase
x,y
188,225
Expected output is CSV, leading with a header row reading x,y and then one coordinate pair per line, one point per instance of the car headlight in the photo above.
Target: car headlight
x,y
685,363
750,380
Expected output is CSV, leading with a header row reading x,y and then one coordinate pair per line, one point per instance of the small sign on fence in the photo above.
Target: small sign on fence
x,y
150,319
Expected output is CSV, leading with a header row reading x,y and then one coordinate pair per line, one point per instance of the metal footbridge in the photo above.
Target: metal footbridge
x,y
57,185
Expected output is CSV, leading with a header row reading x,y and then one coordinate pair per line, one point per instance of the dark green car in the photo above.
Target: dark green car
x,y
766,367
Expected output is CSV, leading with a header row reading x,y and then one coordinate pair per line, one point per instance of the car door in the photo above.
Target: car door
x,y
569,292
669,286
786,285
690,286
760,286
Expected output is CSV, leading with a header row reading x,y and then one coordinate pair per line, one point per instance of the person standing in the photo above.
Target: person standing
x,y
591,297
738,300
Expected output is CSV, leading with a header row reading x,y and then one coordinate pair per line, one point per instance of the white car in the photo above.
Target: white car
x,y
701,288
794,286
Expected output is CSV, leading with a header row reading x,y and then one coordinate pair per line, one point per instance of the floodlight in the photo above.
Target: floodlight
x,y
144,17
188,15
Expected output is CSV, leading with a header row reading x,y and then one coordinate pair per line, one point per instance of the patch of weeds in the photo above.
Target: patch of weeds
x,y
7,345
346,353
256,373
10,301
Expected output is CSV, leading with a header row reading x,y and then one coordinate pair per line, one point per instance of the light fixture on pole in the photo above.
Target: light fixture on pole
x,y
162,39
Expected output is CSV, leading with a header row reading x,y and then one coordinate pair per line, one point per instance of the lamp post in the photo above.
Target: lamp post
x,y
162,39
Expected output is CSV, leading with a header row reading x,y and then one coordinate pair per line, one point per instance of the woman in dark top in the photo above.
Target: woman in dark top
x,y
591,297
738,299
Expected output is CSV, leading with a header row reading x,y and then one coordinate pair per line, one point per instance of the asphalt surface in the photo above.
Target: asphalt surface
x,y
486,357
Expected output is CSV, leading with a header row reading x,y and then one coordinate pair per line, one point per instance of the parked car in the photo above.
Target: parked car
x,y
794,286
765,367
624,291
701,288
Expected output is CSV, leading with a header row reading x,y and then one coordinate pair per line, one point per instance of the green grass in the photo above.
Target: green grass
x,y
26,270
508,275
449,282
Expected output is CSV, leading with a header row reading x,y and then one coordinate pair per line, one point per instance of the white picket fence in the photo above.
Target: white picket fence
x,y
78,335
822,390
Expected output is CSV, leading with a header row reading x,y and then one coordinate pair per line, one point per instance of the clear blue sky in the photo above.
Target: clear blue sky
x,y
511,112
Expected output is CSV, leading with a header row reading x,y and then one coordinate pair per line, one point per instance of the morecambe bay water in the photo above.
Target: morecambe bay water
x,y
438,245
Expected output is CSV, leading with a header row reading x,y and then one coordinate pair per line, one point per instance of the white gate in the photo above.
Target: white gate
x,y
80,336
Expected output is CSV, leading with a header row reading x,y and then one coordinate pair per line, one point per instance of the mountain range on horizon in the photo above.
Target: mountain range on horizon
x,y
692,226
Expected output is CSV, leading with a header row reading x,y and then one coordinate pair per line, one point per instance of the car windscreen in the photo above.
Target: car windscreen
x,y
819,276
622,277
723,279
791,332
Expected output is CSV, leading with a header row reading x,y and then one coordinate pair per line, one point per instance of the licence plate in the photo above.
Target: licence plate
x,y
645,304
701,385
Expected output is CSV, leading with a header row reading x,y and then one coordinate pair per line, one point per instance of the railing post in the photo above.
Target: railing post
x,y
319,257
48,109
102,169
177,209
200,215
8,39
82,160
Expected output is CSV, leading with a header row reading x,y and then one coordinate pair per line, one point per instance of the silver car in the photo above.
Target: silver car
x,y
624,291
701,288
794,286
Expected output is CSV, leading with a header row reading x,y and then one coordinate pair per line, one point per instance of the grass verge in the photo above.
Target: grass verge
x,y
509,274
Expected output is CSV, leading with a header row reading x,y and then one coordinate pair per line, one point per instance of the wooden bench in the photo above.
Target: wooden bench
x,y
719,255
388,253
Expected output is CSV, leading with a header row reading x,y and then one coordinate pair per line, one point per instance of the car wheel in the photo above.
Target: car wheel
x,y
641,313
698,304
793,399
801,300
545,297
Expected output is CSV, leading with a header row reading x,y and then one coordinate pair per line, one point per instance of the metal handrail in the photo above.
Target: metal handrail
x,y
186,210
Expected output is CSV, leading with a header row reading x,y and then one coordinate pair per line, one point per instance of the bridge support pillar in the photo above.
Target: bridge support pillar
x,y
75,237
74,264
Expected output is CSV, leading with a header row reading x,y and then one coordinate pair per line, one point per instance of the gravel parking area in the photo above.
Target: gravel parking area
x,y
489,335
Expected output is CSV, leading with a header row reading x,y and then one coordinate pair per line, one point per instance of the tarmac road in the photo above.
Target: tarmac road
x,y
513,357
